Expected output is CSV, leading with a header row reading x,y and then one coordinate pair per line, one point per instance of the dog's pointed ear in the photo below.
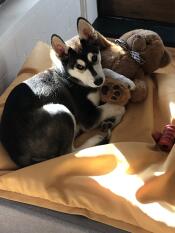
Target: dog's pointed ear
x,y
85,29
58,45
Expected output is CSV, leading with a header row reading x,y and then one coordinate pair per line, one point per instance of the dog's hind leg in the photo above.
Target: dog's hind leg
x,y
50,134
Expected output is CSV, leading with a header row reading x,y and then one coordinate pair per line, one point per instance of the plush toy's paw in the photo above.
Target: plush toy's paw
x,y
121,79
116,93
117,88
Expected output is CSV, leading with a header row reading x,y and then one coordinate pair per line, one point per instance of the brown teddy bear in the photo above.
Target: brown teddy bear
x,y
134,54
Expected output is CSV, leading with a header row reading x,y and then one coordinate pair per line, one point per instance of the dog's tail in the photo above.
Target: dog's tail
x,y
166,58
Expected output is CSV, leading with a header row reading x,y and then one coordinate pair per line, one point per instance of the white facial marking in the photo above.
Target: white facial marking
x,y
98,68
81,62
89,56
85,76
99,57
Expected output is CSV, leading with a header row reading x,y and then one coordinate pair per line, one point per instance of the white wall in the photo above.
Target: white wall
x,y
91,10
33,21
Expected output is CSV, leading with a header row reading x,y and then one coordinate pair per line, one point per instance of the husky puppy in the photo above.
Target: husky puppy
x,y
43,114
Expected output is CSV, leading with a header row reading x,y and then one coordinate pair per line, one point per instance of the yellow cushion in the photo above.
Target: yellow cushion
x,y
105,183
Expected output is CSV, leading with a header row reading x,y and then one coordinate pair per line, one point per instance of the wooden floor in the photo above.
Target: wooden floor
x,y
171,67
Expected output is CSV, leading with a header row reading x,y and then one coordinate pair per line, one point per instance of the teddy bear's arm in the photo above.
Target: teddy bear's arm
x,y
121,78
139,74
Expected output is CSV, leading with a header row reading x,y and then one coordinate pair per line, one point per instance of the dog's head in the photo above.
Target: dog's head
x,y
83,64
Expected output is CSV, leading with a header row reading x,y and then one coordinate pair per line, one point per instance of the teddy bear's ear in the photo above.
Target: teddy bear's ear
x,y
137,43
166,59
135,39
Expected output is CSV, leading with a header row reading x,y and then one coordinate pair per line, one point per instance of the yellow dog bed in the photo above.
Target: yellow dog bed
x,y
109,183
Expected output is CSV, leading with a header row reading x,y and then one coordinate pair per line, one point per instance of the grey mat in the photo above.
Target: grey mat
x,y
22,218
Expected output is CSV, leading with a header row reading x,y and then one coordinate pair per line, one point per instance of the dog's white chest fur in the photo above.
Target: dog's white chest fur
x,y
94,97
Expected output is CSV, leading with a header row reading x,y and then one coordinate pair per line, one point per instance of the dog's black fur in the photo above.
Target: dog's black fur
x,y
43,114
31,134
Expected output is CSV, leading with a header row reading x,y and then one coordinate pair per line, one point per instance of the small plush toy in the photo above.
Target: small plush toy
x,y
119,90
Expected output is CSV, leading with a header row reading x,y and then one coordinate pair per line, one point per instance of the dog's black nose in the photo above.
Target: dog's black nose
x,y
98,81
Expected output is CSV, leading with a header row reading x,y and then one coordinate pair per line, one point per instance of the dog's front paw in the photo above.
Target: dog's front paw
x,y
105,137
107,124
111,122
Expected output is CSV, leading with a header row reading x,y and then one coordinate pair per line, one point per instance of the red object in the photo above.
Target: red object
x,y
157,136
166,139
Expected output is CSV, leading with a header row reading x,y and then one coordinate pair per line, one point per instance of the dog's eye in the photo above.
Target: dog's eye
x,y
80,67
94,58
